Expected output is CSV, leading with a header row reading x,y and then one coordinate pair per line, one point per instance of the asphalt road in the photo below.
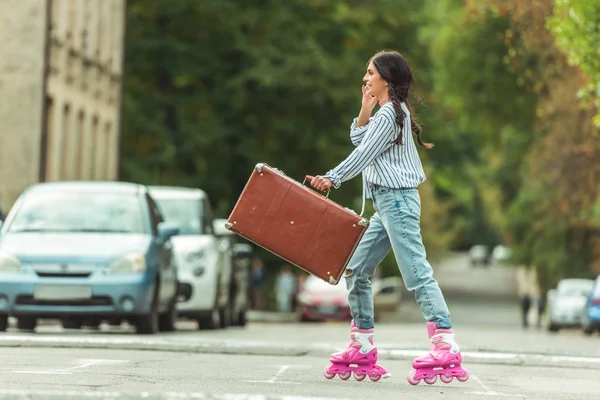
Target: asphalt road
x,y
83,372
285,361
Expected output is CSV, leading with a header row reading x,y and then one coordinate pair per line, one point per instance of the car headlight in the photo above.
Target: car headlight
x,y
128,264
194,256
9,262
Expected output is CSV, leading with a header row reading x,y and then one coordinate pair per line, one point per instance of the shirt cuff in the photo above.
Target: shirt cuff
x,y
354,128
335,178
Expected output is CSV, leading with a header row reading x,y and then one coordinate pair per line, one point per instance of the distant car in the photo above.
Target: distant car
x,y
501,254
204,258
85,252
566,302
320,301
479,255
590,316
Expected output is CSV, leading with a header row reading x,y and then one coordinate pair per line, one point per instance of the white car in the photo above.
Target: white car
x,y
566,302
203,258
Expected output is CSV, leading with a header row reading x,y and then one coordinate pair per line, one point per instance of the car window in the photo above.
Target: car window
x,y
186,213
78,211
314,284
597,289
575,289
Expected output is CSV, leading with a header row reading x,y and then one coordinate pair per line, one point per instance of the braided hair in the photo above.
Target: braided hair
x,y
394,69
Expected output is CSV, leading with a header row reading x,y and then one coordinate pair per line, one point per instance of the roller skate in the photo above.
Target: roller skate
x,y
359,358
444,359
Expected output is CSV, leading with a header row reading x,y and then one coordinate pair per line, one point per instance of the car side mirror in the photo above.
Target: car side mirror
x,y
167,230
219,227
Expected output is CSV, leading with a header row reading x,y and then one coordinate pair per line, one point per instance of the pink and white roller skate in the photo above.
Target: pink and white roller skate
x,y
444,359
359,358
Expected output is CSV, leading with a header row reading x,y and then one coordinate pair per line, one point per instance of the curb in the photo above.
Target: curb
x,y
241,347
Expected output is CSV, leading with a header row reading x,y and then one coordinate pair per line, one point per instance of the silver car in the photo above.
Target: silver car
x,y
566,302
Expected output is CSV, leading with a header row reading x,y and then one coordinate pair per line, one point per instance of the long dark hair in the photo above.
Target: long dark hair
x,y
394,69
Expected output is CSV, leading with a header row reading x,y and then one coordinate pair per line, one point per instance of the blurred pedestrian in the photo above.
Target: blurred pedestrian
x,y
525,307
541,308
388,159
285,288
257,283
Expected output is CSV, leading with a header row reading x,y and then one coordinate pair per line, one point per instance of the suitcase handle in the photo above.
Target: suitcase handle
x,y
310,178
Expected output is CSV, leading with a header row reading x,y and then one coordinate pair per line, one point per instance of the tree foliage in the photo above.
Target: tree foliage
x,y
213,87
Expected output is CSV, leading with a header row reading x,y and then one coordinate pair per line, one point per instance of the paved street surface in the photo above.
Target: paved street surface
x,y
286,360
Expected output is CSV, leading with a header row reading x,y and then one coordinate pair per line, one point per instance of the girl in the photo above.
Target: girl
x,y
386,154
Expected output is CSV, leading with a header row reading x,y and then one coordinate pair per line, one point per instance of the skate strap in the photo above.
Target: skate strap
x,y
447,338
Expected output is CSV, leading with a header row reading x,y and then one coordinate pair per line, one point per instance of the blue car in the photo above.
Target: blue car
x,y
590,318
87,252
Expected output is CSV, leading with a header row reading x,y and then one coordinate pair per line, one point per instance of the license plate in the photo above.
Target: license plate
x,y
327,309
62,292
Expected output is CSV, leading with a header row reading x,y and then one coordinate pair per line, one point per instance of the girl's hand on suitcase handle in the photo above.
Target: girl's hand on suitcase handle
x,y
319,183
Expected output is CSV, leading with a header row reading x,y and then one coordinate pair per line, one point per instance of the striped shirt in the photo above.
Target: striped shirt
x,y
382,162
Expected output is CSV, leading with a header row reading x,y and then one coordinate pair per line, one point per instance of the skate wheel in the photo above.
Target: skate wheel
x,y
345,375
430,380
359,376
446,378
411,378
374,377
328,375
464,377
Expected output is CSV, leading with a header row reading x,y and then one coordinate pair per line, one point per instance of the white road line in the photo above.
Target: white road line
x,y
62,394
81,364
277,375
490,392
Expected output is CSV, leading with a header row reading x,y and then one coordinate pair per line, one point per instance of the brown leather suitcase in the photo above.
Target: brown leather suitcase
x,y
296,223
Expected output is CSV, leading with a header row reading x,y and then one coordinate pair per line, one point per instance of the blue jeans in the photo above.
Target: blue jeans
x,y
395,225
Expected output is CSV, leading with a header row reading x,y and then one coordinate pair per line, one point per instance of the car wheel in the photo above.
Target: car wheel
x,y
26,323
226,316
168,320
212,321
588,330
148,324
3,323
71,324
242,319
553,327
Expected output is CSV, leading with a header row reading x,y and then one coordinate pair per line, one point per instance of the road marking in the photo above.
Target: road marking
x,y
490,392
277,375
80,364
62,394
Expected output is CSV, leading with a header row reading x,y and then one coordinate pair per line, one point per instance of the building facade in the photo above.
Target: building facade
x,y
61,73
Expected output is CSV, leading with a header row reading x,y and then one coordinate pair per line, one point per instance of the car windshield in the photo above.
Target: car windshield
x,y
186,213
79,212
575,289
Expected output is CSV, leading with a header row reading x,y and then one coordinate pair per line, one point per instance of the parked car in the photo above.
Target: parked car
x,y
501,254
85,252
566,302
479,255
590,316
319,300
240,280
204,259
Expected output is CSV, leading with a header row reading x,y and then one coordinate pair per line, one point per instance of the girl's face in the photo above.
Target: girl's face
x,y
376,85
